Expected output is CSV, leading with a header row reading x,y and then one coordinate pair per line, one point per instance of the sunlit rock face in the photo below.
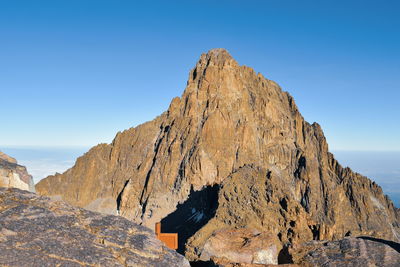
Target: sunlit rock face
x,y
237,132
240,246
14,175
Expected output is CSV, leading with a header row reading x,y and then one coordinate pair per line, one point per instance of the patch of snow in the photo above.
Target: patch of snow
x,y
377,203
266,256
198,216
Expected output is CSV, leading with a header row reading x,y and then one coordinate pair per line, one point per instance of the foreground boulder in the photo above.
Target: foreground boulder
x,y
35,231
232,151
351,251
241,246
14,175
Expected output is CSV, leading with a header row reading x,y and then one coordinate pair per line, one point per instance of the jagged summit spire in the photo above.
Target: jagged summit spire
x,y
216,57
219,54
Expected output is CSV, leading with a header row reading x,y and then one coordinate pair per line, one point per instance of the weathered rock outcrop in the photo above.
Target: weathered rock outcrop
x,y
351,251
241,246
233,151
14,175
35,231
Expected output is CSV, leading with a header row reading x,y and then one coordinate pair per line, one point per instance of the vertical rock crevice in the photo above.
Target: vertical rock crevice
x,y
119,197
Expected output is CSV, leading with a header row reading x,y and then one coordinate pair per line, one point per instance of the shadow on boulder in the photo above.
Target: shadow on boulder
x,y
203,264
191,215
394,245
284,256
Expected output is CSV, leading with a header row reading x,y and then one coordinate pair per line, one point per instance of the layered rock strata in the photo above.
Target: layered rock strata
x,y
14,175
35,231
232,151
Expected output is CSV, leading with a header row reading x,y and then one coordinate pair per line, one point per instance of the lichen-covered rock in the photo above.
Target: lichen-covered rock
x,y
241,246
350,251
236,132
35,231
14,175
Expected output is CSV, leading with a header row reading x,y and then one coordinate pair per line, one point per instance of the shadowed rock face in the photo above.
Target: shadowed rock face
x,y
357,252
191,215
35,231
14,175
238,130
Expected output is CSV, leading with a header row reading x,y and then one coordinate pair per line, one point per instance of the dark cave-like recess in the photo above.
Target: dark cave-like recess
x,y
191,215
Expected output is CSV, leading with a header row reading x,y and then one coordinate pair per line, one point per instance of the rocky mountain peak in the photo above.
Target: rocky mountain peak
x,y
216,57
232,151
214,75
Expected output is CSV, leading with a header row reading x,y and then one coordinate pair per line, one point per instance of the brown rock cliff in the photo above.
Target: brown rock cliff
x,y
232,151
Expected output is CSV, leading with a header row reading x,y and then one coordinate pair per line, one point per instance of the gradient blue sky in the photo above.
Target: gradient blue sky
x,y
73,73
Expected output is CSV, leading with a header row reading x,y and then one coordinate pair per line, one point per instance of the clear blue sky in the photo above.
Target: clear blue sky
x,y
74,72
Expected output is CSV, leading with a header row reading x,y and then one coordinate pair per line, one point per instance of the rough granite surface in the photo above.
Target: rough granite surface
x,y
241,246
35,231
350,251
232,151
